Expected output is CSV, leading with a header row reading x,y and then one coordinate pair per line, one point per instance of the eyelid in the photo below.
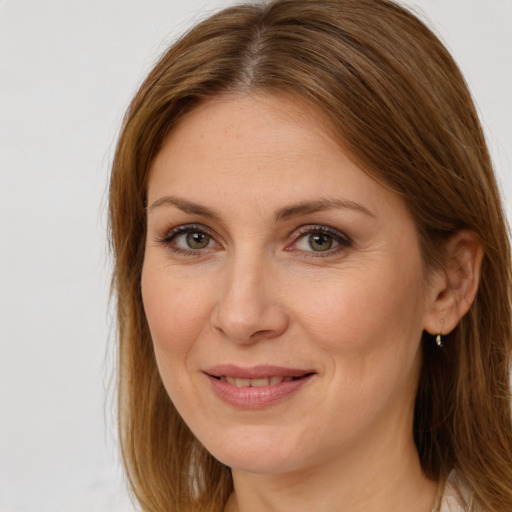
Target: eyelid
x,y
169,233
166,237
344,241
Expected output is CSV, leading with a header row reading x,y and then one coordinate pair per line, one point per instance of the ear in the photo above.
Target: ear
x,y
453,288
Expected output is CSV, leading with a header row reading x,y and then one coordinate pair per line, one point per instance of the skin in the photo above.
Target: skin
x,y
260,293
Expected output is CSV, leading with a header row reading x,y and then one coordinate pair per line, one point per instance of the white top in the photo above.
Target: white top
x,y
457,496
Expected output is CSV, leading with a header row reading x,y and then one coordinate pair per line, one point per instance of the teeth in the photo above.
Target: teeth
x,y
259,383
255,383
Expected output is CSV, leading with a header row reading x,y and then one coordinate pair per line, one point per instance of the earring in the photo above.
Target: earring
x,y
439,339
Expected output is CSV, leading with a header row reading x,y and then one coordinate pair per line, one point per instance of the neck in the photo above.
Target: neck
x,y
368,479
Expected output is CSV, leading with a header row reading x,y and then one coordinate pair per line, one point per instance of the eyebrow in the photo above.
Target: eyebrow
x,y
306,207
185,206
285,213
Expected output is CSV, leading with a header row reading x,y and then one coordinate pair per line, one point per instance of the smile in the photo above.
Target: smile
x,y
256,383
256,387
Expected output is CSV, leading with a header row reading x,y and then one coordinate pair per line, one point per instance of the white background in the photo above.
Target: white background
x,y
68,69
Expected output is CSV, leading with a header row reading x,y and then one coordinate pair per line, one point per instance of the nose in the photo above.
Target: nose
x,y
249,306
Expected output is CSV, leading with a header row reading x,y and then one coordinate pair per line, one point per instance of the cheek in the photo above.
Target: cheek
x,y
360,313
176,311
370,329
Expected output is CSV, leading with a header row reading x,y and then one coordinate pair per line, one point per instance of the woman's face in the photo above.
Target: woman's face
x,y
283,287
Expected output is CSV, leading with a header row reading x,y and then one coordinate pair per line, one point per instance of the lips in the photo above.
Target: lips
x,y
256,372
258,386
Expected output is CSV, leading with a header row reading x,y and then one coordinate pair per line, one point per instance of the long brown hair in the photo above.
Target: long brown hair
x,y
400,106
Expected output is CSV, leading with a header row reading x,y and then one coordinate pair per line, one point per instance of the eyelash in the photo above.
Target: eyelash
x,y
341,239
169,236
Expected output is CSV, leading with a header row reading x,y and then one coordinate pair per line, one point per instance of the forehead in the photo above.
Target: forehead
x,y
257,125
263,150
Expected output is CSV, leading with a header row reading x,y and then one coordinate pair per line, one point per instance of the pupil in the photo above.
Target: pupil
x,y
197,240
320,242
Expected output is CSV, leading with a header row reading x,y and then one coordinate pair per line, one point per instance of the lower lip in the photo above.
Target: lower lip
x,y
256,397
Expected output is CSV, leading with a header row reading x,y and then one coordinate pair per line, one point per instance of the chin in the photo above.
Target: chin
x,y
253,461
256,450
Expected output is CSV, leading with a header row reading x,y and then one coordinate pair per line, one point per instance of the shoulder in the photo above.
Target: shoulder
x,y
457,496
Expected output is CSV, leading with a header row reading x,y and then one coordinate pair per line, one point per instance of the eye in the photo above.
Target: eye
x,y
187,240
318,242
320,239
193,240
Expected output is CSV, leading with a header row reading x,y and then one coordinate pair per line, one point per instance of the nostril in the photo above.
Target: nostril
x,y
248,317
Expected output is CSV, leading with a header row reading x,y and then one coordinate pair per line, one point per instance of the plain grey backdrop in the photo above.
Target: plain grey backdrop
x,y
68,69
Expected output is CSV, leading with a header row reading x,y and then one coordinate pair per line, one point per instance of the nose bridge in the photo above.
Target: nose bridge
x,y
248,307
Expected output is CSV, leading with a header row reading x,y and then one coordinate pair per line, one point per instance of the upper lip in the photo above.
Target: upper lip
x,y
256,372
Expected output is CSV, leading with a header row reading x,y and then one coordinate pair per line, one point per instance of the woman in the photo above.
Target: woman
x,y
312,271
